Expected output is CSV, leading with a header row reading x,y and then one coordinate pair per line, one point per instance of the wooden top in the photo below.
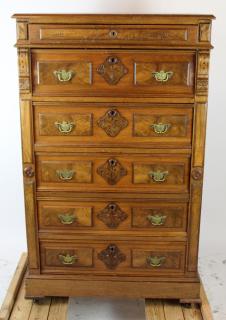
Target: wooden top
x,y
114,18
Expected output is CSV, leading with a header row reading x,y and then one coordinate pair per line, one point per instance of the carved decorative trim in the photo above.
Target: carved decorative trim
x,y
112,215
202,85
204,32
29,173
22,31
24,70
24,84
23,61
197,173
112,70
112,171
111,256
203,64
202,74
112,122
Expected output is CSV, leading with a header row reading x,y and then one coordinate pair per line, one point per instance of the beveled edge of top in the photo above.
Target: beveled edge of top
x,y
113,18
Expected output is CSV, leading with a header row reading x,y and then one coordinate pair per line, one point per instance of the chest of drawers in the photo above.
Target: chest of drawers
x,y
113,117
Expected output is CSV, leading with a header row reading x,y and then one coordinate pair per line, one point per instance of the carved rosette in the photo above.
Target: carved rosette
x,y
112,122
112,215
111,256
112,70
197,173
112,171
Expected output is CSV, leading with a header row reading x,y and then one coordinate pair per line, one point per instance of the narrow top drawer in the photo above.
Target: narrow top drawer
x,y
114,34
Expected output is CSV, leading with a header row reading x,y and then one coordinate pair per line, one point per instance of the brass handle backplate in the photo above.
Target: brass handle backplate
x,y
157,219
68,259
161,128
159,176
162,76
65,174
67,218
63,75
155,261
64,126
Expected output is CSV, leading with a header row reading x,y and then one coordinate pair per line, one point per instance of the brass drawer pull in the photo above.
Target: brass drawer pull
x,y
157,219
63,75
64,126
68,259
162,76
159,176
67,218
161,128
65,174
155,261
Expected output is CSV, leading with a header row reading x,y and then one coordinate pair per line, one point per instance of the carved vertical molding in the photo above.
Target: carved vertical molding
x,y
24,70
202,73
197,163
29,184
195,214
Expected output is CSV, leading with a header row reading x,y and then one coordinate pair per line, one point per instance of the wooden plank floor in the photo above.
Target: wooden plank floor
x,y
15,307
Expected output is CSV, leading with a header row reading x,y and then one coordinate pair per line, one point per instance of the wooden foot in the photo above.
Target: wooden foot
x,y
190,301
37,300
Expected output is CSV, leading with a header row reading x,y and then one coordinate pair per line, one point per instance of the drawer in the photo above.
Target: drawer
x,y
116,257
107,124
77,216
121,173
113,72
113,34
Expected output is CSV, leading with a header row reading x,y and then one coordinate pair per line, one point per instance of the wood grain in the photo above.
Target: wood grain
x,y
13,289
22,307
154,310
173,311
58,309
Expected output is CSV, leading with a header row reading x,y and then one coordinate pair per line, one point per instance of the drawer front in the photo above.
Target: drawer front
x,y
113,34
112,73
98,172
113,258
100,124
67,256
112,216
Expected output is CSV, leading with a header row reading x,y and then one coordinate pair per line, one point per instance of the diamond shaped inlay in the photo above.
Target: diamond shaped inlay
x,y
112,122
111,256
112,215
112,70
112,171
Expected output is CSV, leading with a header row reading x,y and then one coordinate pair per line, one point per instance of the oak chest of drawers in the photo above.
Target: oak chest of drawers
x,y
113,113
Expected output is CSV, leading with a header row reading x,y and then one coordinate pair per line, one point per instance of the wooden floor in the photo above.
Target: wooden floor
x,y
15,307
